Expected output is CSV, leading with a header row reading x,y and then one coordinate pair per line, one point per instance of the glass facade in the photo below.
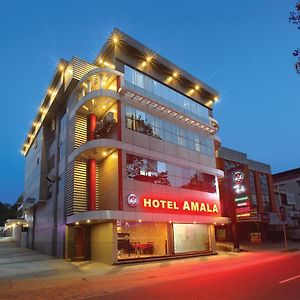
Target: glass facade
x,y
165,95
265,192
253,189
145,123
149,239
153,171
143,239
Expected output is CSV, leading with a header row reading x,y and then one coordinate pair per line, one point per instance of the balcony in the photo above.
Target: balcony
x,y
97,119
95,80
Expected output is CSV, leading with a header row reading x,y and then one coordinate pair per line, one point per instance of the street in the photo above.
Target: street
x,y
258,274
278,279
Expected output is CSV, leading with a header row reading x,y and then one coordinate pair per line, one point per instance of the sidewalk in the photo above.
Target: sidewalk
x,y
28,274
20,263
265,246
23,263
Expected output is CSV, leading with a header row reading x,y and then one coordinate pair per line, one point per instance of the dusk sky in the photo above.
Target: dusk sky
x,y
243,49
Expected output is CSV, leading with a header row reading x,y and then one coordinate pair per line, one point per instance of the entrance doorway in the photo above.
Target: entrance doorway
x,y
80,242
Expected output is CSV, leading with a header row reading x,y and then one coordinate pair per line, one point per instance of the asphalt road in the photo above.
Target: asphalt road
x,y
277,279
258,274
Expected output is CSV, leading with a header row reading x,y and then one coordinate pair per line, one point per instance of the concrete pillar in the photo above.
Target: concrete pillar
x,y
271,192
16,233
104,243
92,122
82,92
92,184
212,238
90,82
99,81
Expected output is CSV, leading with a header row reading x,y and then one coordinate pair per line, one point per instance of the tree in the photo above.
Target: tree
x,y
9,211
295,19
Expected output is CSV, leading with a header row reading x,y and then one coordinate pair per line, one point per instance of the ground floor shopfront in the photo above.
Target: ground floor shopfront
x,y
251,231
113,241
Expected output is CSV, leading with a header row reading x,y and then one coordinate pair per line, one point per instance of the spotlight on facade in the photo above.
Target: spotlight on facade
x,y
115,38
61,67
149,58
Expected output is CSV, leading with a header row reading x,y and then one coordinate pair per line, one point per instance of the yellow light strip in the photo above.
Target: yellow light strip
x,y
43,110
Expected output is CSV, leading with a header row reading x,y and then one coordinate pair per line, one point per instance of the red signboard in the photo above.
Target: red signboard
x,y
178,206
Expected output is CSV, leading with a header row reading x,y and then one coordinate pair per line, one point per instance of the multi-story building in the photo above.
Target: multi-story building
x,y
120,159
287,196
247,192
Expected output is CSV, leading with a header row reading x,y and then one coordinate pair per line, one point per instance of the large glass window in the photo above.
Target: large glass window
x,y
153,171
165,95
148,239
190,237
145,123
142,239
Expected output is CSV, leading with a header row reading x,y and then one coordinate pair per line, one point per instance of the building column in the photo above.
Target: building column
x,y
120,179
92,122
83,92
89,88
118,79
98,79
92,184
119,121
271,192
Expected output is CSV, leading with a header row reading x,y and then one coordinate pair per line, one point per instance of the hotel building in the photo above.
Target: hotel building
x,y
120,159
246,191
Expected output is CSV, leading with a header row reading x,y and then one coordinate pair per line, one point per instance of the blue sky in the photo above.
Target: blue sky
x,y
241,48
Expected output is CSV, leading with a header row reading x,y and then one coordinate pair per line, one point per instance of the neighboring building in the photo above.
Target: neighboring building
x,y
287,195
247,190
17,230
120,160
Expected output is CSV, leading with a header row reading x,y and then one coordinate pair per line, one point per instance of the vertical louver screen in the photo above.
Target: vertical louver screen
x,y
77,187
80,131
97,187
81,67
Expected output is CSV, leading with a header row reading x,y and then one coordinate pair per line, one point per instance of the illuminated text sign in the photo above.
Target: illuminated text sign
x,y
183,206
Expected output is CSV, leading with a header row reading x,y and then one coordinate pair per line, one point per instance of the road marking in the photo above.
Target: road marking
x,y
289,279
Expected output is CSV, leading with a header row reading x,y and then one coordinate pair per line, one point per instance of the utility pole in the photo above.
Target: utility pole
x,y
281,215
